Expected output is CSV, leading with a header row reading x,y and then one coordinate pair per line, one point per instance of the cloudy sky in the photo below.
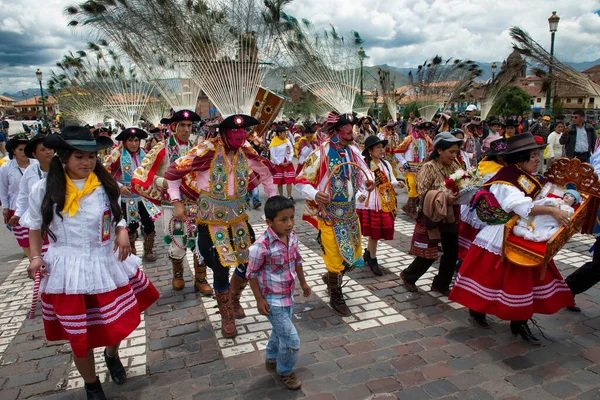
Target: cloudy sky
x,y
402,33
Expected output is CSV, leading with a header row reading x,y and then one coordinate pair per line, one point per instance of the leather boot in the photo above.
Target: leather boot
x,y
237,286
228,328
149,246
200,282
334,287
132,238
93,391
178,282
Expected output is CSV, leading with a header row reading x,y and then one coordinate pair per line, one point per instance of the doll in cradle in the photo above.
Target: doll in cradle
x,y
542,227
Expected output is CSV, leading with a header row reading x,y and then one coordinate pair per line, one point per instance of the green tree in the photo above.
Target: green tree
x,y
512,101
411,107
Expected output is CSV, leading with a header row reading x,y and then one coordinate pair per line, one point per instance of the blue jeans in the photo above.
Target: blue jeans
x,y
255,198
284,343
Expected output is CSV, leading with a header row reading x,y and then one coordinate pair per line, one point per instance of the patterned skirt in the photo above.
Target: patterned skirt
x,y
486,284
284,175
103,319
420,245
376,224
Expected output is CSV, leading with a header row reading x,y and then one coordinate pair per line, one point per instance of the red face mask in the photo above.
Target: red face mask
x,y
234,138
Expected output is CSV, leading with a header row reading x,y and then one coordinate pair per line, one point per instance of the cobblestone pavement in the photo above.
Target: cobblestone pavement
x,y
397,344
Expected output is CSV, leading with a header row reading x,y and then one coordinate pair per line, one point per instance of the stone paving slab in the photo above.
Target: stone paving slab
x,y
398,344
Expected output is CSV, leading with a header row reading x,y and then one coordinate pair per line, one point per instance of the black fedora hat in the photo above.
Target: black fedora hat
x,y
131,132
522,142
181,115
371,141
335,120
19,138
510,122
497,147
237,121
281,127
76,137
32,144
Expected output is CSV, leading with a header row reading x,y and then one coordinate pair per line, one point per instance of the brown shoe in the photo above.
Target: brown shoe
x,y
271,366
445,292
132,238
178,282
291,381
149,246
336,297
228,328
237,286
200,283
411,287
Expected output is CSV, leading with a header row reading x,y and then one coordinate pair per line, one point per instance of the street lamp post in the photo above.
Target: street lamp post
x,y
494,68
361,56
38,73
553,23
284,76
375,98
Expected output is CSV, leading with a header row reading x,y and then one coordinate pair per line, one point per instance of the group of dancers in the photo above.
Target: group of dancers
x,y
77,216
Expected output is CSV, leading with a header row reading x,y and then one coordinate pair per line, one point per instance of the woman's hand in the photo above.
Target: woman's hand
x,y
561,216
451,197
122,244
36,265
14,221
124,190
6,215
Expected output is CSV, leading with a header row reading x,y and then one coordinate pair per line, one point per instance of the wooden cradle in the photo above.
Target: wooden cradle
x,y
532,254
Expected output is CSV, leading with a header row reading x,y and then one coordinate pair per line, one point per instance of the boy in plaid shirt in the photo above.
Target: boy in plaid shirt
x,y
274,264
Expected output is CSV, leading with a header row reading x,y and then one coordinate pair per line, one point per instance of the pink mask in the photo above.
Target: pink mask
x,y
235,138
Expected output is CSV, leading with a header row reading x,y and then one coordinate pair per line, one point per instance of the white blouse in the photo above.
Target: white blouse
x,y
372,202
282,153
511,199
81,259
32,175
10,178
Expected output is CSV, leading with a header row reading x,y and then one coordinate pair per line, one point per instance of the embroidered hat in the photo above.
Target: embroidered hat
x,y
335,120
497,147
74,137
371,141
237,121
131,132
522,142
181,115
32,144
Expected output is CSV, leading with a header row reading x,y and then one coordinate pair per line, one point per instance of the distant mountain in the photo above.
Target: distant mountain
x,y
25,94
582,66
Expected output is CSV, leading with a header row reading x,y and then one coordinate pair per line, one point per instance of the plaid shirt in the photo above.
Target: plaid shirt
x,y
274,265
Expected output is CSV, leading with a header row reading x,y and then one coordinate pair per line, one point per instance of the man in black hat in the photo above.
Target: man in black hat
x,y
331,204
218,173
121,163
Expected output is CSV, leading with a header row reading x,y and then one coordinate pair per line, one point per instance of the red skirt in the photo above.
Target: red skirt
x,y
104,319
376,224
21,233
284,175
487,285
466,235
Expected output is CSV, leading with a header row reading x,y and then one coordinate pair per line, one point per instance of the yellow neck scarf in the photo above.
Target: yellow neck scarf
x,y
277,142
74,195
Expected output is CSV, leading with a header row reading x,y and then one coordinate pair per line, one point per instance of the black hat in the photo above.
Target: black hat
x,y
426,125
510,122
181,115
31,146
309,128
497,147
76,137
522,142
19,138
131,132
362,119
372,141
334,120
237,121
154,130
493,121
281,127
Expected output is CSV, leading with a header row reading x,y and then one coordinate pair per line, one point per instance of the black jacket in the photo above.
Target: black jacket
x,y
569,139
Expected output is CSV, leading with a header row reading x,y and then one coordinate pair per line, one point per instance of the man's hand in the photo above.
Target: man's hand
x,y
322,198
305,289
124,190
263,307
179,211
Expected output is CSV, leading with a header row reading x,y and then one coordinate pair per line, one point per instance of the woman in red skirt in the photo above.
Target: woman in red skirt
x,y
377,210
282,154
485,284
11,175
92,289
